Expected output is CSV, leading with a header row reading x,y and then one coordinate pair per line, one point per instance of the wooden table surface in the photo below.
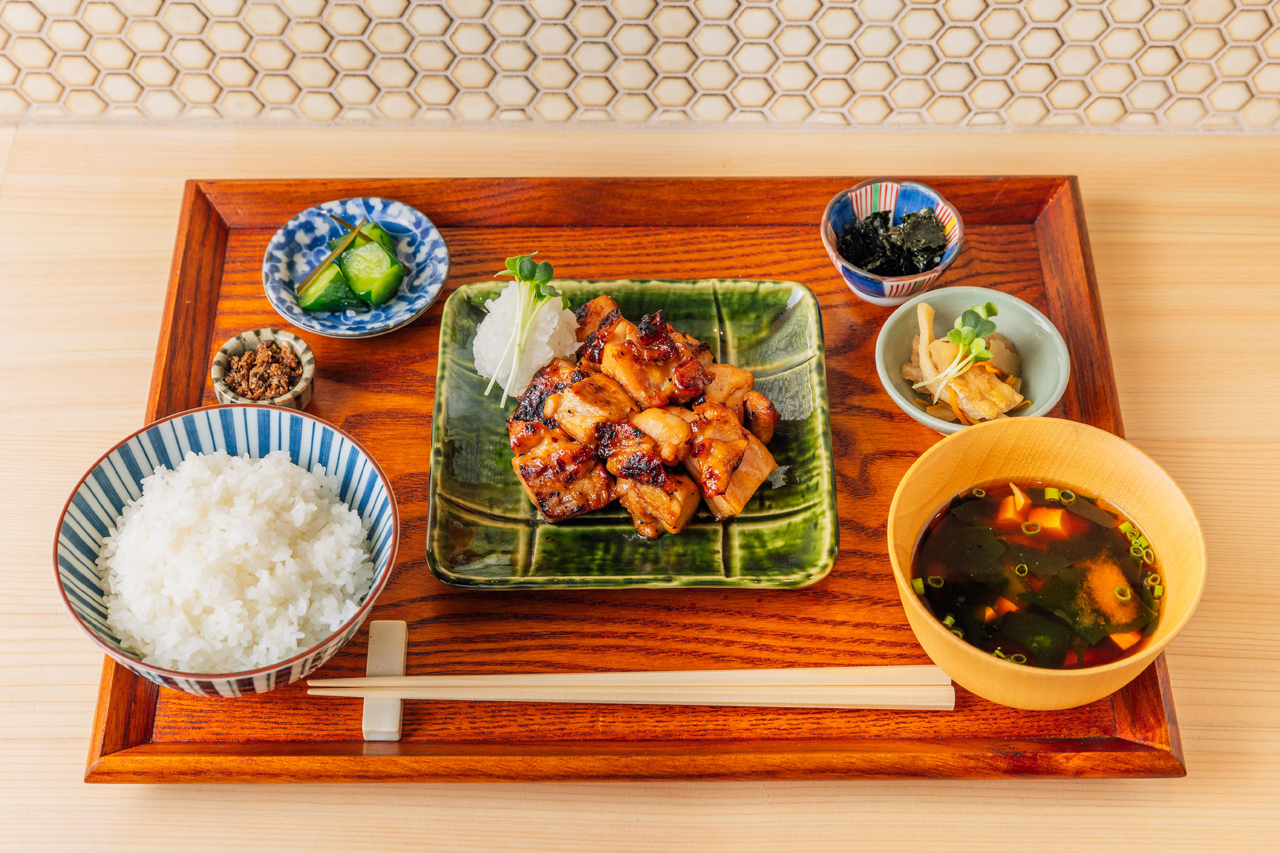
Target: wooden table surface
x,y
1186,236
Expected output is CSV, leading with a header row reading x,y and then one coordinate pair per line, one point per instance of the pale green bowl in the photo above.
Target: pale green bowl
x,y
1046,365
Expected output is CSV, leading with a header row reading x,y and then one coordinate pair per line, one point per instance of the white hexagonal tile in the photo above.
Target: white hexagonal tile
x,y
673,92
555,107
199,88
471,38
149,36
511,20
880,10
31,53
103,18
634,74
915,59
991,94
1211,11
798,10
1128,11
436,90
948,110
515,91
832,93
429,20
715,40
1122,43
475,106
351,55
393,72
920,24
959,42
76,71
1148,95
1248,25
386,8
911,94
512,56
1076,60
240,105
228,37
870,109
796,40
675,22
835,59
716,10
277,89
469,8
1203,43
432,55
838,23
184,19
356,89
996,60
553,39
674,58
634,40
873,76
120,88
22,17
1040,43
1238,61
592,22
952,77
1166,25
155,71
1045,11
554,74
67,35
314,72
712,107
472,73
593,57
1194,78
271,55
594,91
390,38
633,10
757,22
1003,24
309,37
877,41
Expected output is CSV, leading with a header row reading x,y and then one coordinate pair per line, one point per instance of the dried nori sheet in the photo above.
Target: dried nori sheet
x,y
914,245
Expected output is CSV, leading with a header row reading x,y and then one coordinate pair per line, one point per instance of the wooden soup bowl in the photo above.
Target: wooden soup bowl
x,y
1057,453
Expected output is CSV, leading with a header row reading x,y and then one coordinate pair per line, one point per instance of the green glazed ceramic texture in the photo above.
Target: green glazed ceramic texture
x,y
482,530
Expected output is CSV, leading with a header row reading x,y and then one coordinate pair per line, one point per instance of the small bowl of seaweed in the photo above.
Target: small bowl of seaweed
x,y
891,239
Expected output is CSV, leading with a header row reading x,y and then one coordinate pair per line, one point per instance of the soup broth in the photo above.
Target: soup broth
x,y
1040,576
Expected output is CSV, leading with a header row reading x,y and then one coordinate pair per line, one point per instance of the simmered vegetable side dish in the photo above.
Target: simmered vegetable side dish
x,y
971,373
641,401
361,270
1040,576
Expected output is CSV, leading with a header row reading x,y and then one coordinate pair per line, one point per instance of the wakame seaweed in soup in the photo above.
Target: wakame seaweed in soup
x,y
1040,576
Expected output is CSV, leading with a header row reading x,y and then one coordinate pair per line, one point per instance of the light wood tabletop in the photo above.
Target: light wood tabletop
x,y
1185,233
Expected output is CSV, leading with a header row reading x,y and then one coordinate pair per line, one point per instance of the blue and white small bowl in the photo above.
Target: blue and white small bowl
x,y
901,197
301,244
98,500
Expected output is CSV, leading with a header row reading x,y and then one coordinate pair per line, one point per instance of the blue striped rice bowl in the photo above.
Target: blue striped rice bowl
x,y
900,197
245,430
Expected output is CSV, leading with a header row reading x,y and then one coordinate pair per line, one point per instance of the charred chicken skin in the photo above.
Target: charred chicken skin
x,y
620,412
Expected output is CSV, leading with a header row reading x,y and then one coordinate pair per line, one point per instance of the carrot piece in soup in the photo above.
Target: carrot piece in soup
x,y
988,615
1127,640
1008,516
1004,605
1021,502
1055,523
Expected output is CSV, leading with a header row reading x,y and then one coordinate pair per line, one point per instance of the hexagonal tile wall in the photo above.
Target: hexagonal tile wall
x,y
1208,64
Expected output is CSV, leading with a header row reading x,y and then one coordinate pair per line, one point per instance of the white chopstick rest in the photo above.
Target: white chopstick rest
x,y
388,647
922,688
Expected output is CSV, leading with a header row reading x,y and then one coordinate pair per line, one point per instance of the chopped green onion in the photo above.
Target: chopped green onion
x,y
958,633
1067,496
1126,528
1133,535
1142,540
918,585
1124,593
1052,494
1018,658
1151,580
998,654
979,493
1157,591
1031,528
949,621
935,581
1135,549
1149,556
1020,570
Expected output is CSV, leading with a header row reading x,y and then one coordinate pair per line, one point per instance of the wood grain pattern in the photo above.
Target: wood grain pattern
x,y
383,393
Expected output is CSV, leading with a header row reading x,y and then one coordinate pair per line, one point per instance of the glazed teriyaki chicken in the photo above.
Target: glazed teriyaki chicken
x,y
641,403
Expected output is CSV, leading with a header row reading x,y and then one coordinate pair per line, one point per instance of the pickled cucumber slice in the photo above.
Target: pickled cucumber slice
x,y
329,291
371,231
373,274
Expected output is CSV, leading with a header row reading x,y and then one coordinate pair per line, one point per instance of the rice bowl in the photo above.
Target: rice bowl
x,y
227,563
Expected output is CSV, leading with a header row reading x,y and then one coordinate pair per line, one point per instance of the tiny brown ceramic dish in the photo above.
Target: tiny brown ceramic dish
x,y
229,390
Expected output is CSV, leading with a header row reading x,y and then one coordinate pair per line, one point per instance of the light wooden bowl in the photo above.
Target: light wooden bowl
x,y
1063,453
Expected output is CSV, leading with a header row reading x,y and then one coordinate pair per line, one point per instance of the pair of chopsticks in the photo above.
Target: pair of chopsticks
x,y
923,688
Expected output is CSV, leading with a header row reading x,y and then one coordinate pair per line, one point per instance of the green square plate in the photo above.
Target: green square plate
x,y
482,531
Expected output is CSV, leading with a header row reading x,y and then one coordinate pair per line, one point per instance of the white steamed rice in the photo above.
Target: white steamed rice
x,y
553,335
229,563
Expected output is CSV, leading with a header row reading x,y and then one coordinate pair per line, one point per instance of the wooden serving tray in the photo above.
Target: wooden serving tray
x,y
1023,235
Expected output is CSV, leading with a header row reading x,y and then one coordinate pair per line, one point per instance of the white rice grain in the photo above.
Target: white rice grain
x,y
228,563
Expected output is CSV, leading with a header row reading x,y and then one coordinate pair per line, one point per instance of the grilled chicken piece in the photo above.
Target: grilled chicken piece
x,y
596,331
760,416
584,404
718,444
655,508
546,383
629,453
653,368
691,346
729,385
592,314
561,477
754,468
670,432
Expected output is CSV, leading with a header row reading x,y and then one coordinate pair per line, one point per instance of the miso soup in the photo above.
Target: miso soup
x,y
1039,575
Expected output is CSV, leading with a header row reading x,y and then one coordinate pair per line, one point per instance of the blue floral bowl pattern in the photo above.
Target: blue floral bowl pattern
x,y
900,197
301,244
254,431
